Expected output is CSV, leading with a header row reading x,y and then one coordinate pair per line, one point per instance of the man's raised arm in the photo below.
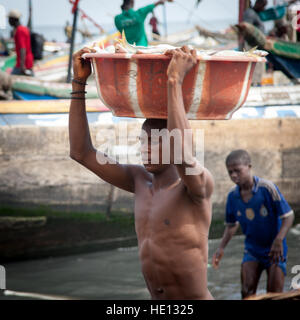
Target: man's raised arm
x,y
81,147
162,2
197,179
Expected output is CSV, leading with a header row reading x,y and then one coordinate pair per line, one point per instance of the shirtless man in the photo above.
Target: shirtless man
x,y
172,209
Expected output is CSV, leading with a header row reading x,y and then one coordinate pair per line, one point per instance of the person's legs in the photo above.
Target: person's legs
x,y
250,274
16,71
275,281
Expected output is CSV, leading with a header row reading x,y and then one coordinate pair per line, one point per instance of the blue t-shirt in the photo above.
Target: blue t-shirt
x,y
260,218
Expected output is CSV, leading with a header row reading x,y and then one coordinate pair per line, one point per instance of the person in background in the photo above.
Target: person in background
x,y
68,31
4,51
22,40
265,217
154,22
251,14
5,86
132,21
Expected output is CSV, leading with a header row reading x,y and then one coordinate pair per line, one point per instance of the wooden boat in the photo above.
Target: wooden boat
x,y
291,295
47,106
284,55
29,88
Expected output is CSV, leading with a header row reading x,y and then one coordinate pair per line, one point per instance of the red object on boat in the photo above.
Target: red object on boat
x,y
136,85
75,5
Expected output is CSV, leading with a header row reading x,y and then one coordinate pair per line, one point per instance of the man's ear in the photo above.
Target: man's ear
x,y
250,166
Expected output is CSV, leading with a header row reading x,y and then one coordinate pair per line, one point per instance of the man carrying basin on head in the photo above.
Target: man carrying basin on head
x,y
172,201
132,21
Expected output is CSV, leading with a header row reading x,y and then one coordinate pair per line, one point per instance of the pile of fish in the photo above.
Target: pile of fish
x,y
122,46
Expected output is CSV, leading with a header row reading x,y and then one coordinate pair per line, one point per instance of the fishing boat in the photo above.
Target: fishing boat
x,y
29,88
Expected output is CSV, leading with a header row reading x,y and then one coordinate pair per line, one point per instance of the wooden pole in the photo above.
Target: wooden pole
x,y
29,24
72,43
242,8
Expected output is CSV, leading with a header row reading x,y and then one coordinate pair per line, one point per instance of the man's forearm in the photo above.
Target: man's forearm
x,y
177,118
79,134
159,2
228,234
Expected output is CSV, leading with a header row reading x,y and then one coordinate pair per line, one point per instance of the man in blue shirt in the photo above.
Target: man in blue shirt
x,y
132,21
265,217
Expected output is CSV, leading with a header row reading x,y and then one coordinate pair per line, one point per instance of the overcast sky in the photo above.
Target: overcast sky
x,y
57,12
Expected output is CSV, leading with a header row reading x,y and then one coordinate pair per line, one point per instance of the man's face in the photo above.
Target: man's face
x,y
151,149
260,5
239,173
11,21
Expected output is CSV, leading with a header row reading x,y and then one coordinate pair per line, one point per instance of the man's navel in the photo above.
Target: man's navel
x,y
167,222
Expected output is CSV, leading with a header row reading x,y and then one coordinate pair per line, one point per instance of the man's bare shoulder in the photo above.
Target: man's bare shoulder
x,y
206,185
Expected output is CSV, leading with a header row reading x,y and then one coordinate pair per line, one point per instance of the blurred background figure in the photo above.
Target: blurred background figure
x,y
251,14
21,34
68,31
132,21
5,86
154,22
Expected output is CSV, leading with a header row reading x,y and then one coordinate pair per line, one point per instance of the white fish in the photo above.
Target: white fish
x,y
252,52
123,46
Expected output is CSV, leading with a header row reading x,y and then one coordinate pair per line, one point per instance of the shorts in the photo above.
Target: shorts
x,y
264,261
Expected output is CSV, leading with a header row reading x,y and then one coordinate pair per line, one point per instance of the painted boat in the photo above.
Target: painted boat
x,y
47,106
285,55
29,88
136,85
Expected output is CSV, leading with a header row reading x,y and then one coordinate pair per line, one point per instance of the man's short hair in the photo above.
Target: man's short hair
x,y
125,4
260,3
238,156
155,124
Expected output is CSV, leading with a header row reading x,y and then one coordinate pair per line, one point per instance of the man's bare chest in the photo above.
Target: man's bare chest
x,y
163,208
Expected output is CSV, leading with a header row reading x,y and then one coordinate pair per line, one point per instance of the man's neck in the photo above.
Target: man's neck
x,y
16,25
165,178
248,185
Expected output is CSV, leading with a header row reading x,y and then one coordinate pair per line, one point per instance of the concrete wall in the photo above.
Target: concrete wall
x,y
35,167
